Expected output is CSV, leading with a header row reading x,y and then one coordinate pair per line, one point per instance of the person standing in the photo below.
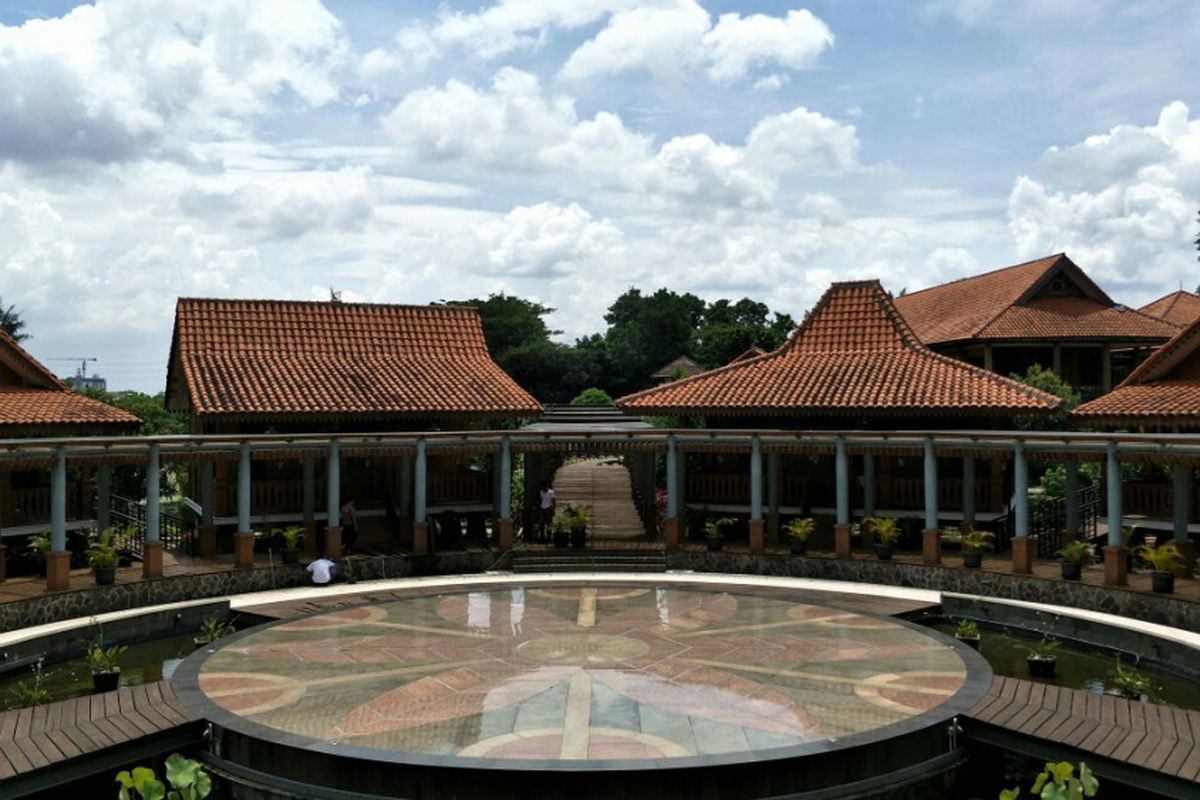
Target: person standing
x,y
349,526
546,507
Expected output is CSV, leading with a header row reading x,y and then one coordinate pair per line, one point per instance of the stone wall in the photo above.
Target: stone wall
x,y
1163,609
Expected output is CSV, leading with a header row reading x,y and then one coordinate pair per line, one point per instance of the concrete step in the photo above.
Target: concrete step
x,y
583,560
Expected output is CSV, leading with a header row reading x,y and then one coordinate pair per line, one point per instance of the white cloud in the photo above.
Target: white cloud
x,y
669,40
124,78
1122,204
545,239
771,82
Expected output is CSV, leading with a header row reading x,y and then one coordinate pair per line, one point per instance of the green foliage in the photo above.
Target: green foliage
x,y
577,516
716,529
187,779
150,409
592,396
292,536
32,692
102,552
1077,550
214,628
800,529
1162,558
102,659
1059,782
976,540
1042,648
11,322
966,629
1130,683
887,529
726,330
38,545
1045,379
1054,480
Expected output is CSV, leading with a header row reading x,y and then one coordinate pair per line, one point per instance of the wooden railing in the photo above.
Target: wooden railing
x,y
30,506
733,488
474,487
1150,499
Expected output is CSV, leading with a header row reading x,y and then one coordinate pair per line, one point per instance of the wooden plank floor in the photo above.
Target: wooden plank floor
x,y
50,735
1152,737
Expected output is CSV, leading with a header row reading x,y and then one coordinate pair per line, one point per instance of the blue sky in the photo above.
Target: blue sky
x,y
409,152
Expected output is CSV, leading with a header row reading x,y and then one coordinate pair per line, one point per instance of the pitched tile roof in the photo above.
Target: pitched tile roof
x,y
278,357
32,397
1004,304
753,352
1179,307
683,364
852,354
1164,390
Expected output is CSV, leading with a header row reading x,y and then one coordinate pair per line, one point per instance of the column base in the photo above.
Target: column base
x,y
3,562
58,571
243,549
1024,548
1116,566
152,553
757,529
1187,550
504,533
842,543
671,532
931,546
207,541
333,542
420,538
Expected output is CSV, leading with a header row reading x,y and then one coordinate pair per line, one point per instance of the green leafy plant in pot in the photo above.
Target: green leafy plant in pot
x,y
102,557
1164,559
292,538
38,548
973,542
1074,554
1040,657
580,517
967,632
104,663
798,531
561,527
714,532
211,629
887,532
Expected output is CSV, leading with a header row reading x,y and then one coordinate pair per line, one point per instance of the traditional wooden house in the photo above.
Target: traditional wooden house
x,y
1180,308
35,403
680,367
1162,394
1046,312
753,352
853,363
257,366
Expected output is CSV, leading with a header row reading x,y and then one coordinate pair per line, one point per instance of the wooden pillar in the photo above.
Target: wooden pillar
x,y
1181,478
406,498
1071,488
208,531
989,361
773,498
931,537
308,504
868,467
1115,565
968,492
104,498
1023,549
1056,360
1106,380
152,547
756,495
420,497
58,560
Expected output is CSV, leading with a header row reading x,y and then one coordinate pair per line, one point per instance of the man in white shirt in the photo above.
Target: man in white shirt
x,y
322,571
546,506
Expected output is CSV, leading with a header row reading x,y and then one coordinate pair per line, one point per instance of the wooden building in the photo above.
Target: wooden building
x,y
1180,308
854,363
272,366
681,367
1046,312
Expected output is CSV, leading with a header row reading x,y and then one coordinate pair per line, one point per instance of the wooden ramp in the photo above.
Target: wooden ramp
x,y
603,486
52,744
1142,744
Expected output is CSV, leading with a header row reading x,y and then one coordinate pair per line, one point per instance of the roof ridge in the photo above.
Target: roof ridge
x,y
1139,373
37,366
347,303
1055,256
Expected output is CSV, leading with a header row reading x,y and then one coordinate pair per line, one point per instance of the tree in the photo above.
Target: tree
x,y
592,396
510,322
1045,379
647,331
11,322
729,329
150,409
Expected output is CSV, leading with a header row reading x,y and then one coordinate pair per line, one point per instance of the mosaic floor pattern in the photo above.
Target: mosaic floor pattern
x,y
582,673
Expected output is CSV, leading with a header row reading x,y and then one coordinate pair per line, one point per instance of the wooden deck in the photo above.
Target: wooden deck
x,y
1143,742
45,745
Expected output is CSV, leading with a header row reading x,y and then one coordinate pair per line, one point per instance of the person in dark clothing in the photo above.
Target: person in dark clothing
x,y
349,526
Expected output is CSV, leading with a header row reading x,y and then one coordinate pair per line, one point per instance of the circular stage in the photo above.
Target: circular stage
x,y
521,691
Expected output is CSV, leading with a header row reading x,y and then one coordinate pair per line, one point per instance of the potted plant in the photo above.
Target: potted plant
x,y
1040,657
887,531
714,532
562,529
211,629
580,518
967,632
105,666
292,538
1073,555
1129,683
122,542
38,548
798,531
973,542
102,558
1164,559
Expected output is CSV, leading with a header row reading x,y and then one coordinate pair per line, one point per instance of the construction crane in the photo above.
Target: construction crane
x,y
83,362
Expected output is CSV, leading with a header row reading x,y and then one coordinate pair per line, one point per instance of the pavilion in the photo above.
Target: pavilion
x,y
1046,312
1181,307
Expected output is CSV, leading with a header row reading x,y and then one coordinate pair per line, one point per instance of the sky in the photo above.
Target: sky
x,y
565,152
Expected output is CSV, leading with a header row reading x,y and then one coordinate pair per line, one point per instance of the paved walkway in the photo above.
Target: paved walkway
x,y
603,486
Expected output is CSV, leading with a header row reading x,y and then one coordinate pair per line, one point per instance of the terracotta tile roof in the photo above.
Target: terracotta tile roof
x,y
852,354
683,364
60,409
1004,304
753,352
1179,307
273,357
1163,391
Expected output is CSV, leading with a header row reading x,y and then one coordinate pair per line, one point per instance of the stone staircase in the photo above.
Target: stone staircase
x,y
604,487
589,560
